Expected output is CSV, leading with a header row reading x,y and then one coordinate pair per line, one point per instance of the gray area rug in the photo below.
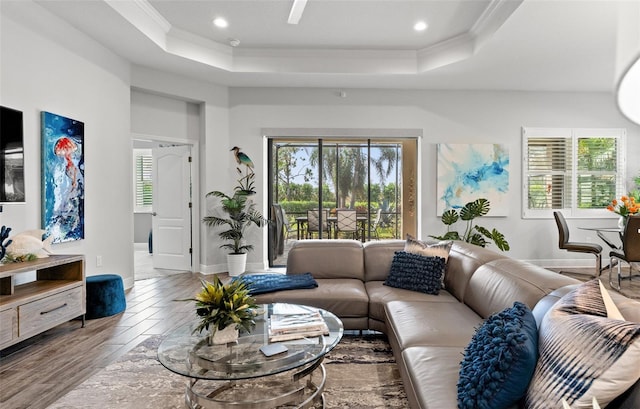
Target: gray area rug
x,y
361,373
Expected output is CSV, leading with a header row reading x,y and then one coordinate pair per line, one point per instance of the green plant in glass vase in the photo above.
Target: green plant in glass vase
x,y
473,233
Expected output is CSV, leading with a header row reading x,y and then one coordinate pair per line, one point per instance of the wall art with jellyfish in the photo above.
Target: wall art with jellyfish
x,y
62,177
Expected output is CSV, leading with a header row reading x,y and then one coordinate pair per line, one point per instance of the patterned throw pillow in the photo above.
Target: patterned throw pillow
x,y
415,272
441,249
583,353
499,362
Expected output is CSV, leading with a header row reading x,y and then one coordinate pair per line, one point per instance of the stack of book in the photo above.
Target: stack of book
x,y
284,327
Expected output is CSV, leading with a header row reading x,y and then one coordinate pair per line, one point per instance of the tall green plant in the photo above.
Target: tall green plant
x,y
241,214
473,233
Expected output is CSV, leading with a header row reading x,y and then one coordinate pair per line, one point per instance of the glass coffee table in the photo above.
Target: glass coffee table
x,y
239,375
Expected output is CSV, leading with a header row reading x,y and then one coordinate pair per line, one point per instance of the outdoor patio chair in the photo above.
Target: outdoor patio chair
x,y
287,228
313,223
375,224
346,222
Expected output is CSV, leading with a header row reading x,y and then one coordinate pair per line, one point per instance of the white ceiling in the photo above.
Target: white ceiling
x,y
567,45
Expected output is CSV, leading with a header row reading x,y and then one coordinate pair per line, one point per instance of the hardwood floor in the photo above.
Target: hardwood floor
x,y
35,373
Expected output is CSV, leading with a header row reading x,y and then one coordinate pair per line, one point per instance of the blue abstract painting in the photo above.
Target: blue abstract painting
x,y
62,177
467,172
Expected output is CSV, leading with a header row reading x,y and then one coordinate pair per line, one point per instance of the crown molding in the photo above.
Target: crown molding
x,y
142,15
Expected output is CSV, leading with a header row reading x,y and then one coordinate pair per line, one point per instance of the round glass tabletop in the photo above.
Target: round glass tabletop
x,y
190,354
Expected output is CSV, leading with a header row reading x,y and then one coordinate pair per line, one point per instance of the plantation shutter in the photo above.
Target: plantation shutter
x,y
143,194
577,171
548,172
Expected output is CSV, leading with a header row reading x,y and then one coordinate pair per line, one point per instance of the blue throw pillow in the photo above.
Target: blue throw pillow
x,y
499,362
271,282
415,272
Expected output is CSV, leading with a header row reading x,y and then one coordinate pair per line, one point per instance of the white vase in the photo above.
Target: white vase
x,y
622,222
223,336
236,264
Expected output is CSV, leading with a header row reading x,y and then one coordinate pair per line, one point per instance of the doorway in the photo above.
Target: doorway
x,y
163,208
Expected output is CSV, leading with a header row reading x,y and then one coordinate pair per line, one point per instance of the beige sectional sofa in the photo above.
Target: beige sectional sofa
x,y
428,333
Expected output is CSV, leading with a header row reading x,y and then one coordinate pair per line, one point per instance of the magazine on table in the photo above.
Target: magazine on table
x,y
301,324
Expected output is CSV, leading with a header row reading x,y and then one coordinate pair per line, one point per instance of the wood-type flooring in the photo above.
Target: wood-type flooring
x,y
37,372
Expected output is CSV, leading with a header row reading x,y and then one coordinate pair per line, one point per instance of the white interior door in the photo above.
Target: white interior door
x,y
172,207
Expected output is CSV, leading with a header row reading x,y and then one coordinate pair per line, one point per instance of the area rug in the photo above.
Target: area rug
x,y
361,374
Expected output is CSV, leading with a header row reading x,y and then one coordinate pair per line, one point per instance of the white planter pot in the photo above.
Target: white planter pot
x,y
223,336
236,263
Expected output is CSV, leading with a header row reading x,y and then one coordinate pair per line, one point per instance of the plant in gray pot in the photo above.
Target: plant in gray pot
x,y
241,214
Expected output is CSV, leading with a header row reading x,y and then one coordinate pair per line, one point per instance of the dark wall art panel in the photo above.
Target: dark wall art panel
x,y
11,156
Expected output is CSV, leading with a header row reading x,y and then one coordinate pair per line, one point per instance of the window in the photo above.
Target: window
x,y
577,171
143,187
371,171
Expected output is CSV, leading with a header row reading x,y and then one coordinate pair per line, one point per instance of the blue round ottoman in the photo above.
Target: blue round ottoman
x,y
105,296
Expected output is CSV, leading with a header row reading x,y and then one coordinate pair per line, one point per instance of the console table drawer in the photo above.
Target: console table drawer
x,y
8,325
40,315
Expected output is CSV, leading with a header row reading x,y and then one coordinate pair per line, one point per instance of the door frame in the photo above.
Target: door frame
x,y
412,191
195,189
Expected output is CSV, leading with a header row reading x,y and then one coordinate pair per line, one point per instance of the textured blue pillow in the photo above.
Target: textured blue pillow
x,y
415,272
499,362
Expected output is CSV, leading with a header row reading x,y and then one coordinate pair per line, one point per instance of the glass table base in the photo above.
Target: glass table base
x,y
292,389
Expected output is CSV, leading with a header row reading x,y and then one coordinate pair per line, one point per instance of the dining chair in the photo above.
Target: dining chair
x,y
629,252
375,224
575,246
277,231
313,222
287,228
346,222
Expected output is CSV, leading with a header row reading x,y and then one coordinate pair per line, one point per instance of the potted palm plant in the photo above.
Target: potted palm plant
x,y
241,214
224,309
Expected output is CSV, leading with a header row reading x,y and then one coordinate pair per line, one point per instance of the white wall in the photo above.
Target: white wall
x,y
214,167
446,117
60,70
55,68
163,116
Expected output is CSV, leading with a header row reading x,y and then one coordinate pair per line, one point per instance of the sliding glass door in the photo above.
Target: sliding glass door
x,y
319,178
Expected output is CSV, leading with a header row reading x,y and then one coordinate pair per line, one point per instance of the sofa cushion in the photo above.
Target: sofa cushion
x,y
380,294
344,297
377,258
411,323
499,362
429,374
327,259
583,353
499,283
415,272
464,260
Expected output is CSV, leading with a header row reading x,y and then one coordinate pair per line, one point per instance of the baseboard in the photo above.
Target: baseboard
x,y
222,268
564,263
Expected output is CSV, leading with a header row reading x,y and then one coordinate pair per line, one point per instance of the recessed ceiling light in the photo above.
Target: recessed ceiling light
x,y
420,26
220,22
